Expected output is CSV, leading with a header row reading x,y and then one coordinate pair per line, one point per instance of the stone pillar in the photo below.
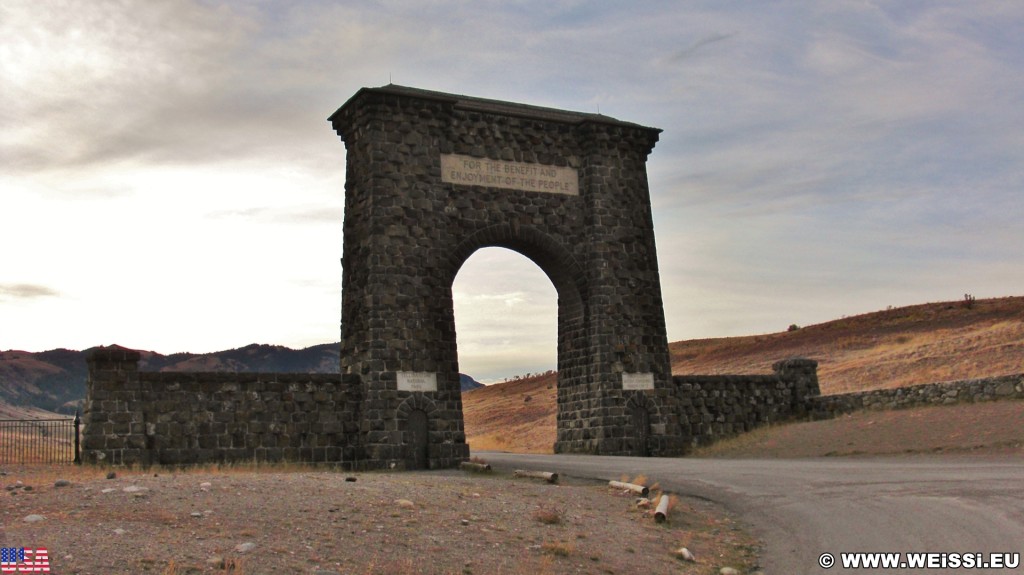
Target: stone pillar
x,y
115,428
626,323
398,326
801,377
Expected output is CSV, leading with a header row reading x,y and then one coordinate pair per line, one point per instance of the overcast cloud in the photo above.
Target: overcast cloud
x,y
170,181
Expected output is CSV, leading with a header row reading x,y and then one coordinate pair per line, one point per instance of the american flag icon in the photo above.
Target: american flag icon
x,y
25,560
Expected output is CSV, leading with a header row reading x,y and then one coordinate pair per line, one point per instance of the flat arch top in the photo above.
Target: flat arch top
x,y
497,107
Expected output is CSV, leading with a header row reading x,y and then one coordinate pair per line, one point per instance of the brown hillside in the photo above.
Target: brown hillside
x,y
512,416
892,348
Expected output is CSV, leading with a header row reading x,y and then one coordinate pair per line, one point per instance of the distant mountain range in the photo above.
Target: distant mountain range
x,y
55,380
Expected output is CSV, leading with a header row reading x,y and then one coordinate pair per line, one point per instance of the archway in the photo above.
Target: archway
x,y
506,321
433,177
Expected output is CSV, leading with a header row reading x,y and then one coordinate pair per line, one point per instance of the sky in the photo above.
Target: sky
x,y
169,181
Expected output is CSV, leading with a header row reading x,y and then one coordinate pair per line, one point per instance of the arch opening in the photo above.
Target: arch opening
x,y
506,311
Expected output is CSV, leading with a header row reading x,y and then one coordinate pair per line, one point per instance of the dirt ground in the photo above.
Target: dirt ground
x,y
989,428
298,520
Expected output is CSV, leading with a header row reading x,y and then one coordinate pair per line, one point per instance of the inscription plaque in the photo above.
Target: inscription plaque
x,y
416,381
470,171
637,381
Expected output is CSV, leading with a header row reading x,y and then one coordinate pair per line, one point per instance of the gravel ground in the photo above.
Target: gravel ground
x,y
321,522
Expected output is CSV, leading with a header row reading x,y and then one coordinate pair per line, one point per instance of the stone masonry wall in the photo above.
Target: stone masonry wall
x,y
943,393
718,406
146,418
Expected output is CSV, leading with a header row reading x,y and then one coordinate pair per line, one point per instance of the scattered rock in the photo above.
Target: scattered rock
x,y
350,479
196,514
217,562
27,488
205,486
728,571
61,483
135,489
33,518
111,475
405,503
465,522
245,547
120,531
684,554
643,503
108,490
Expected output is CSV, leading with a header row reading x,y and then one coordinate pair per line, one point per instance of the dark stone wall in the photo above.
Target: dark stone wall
x,y
148,418
714,407
942,393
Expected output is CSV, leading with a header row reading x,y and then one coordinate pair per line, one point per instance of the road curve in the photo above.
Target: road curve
x,y
804,508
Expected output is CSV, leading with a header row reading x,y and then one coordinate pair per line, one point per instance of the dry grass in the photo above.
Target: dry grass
x,y
497,418
548,516
558,548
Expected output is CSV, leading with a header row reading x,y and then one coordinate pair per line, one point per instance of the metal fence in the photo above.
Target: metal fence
x,y
40,440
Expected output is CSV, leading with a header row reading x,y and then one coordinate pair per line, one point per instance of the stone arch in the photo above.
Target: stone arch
x,y
415,401
641,399
433,177
565,273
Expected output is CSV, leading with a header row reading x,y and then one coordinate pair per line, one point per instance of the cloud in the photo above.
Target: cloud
x,y
697,45
26,291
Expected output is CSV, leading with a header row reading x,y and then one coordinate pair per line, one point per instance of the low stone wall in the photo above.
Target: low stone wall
x,y
718,406
145,418
943,393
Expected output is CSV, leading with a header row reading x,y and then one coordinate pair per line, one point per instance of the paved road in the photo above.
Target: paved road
x,y
803,508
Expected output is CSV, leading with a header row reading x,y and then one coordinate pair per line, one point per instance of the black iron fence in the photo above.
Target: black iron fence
x,y
40,440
